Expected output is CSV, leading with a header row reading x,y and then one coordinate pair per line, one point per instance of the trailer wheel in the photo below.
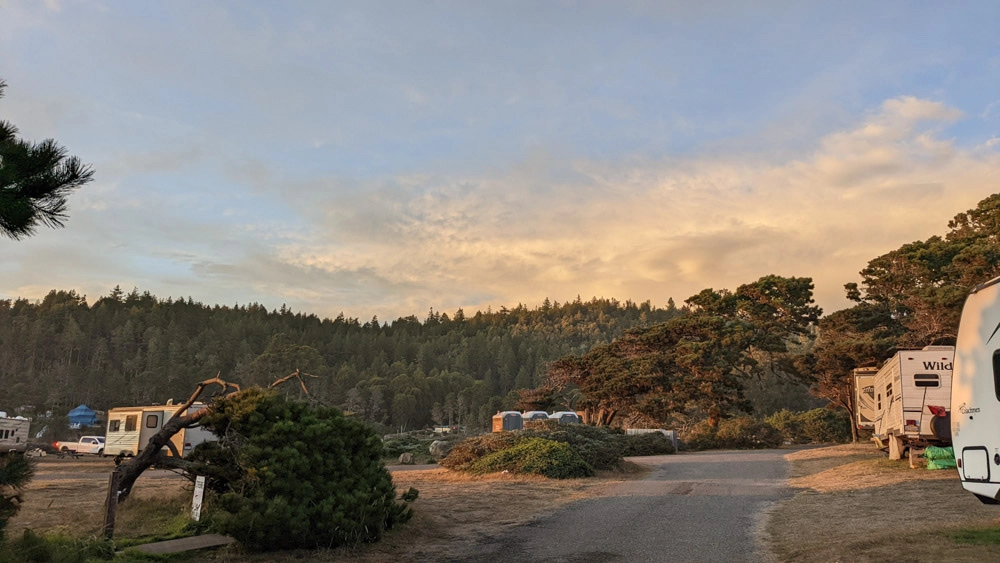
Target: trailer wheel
x,y
941,427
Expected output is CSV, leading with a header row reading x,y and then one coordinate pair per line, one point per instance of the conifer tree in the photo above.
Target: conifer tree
x,y
35,180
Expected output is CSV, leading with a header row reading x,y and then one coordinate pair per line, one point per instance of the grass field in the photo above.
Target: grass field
x,y
854,504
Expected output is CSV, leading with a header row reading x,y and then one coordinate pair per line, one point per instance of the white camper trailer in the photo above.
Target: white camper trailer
x,y
975,395
130,429
13,434
864,398
912,398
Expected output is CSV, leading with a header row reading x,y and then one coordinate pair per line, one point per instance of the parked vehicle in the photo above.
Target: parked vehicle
x,y
864,398
85,445
912,399
130,429
535,415
975,395
13,434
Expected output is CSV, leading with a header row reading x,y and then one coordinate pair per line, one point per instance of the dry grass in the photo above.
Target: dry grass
x,y
854,504
68,497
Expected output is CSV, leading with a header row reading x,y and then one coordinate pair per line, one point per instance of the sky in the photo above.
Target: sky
x,y
389,158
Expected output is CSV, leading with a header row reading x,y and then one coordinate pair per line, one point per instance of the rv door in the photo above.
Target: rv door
x,y
151,423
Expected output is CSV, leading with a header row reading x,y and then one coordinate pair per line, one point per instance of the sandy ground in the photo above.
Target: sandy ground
x,y
854,504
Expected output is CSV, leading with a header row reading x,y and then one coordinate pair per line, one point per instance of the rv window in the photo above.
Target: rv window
x,y
130,421
152,420
114,425
888,391
879,406
927,380
996,373
6,434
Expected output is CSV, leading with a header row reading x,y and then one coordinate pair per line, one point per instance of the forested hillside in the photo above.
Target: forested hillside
x,y
135,348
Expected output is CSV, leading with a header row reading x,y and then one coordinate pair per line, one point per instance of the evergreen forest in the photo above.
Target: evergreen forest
x,y
136,349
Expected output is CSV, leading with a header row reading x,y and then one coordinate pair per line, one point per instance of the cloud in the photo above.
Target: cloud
x,y
648,229
550,225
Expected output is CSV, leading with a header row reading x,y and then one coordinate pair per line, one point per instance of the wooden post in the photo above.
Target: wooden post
x,y
111,504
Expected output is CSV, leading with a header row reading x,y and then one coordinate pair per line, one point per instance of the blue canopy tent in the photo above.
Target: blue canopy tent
x,y
82,416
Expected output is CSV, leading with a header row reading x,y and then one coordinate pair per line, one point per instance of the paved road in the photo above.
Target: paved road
x,y
692,507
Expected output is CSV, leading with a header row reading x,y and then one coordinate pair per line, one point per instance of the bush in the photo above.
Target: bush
x,y
394,447
825,425
16,471
298,476
701,436
32,547
789,424
601,447
471,449
746,433
653,443
538,456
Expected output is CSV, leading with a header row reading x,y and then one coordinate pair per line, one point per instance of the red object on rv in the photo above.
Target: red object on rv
x,y
937,411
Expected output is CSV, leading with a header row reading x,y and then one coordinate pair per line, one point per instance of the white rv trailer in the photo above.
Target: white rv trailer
x,y
975,395
13,434
130,429
912,397
864,398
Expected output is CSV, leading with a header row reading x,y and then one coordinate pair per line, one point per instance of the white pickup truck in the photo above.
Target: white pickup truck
x,y
86,445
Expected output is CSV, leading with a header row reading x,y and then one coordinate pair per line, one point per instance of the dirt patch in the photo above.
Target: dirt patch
x,y
854,504
67,496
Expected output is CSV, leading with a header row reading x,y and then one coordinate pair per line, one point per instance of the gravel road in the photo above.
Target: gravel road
x,y
692,507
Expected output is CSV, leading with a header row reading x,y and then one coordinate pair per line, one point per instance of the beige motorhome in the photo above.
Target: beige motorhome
x,y
913,398
864,398
130,429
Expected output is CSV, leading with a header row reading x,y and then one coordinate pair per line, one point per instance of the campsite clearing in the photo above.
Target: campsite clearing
x,y
854,504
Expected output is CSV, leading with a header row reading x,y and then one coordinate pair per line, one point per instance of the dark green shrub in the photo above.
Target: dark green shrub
x,y
747,432
16,471
394,447
601,447
789,424
825,425
701,436
306,477
471,449
538,456
653,443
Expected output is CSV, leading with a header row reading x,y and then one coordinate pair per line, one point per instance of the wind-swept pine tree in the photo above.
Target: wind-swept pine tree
x,y
35,180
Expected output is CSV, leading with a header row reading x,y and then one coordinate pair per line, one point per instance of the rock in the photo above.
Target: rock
x,y
440,448
406,459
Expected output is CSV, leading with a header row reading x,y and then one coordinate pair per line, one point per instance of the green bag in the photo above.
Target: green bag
x,y
940,458
936,453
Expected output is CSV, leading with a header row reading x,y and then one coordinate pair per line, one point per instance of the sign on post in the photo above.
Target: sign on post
x,y
199,493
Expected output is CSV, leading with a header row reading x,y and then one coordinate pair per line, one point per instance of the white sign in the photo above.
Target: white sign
x,y
199,493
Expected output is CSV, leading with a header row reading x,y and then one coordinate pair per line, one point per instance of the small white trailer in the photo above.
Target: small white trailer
x,y
912,399
975,396
864,398
130,429
13,434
